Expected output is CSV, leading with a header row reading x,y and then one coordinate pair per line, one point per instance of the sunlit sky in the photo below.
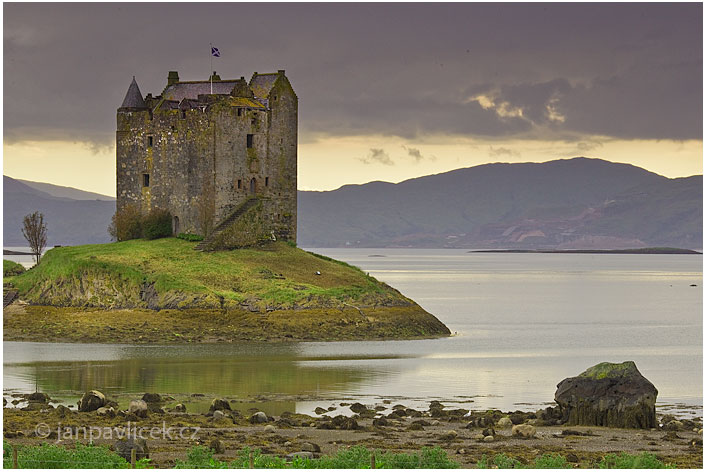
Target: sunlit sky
x,y
386,91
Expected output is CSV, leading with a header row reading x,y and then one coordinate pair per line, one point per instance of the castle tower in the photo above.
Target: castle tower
x,y
206,157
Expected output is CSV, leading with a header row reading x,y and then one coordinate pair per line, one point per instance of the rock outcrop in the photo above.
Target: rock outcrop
x,y
615,395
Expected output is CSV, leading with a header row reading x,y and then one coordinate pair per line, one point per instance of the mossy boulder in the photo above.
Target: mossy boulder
x,y
614,395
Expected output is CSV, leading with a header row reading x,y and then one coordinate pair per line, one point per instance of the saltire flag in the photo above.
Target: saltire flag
x,y
215,52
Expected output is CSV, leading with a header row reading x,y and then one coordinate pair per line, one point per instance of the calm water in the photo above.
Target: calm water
x,y
523,322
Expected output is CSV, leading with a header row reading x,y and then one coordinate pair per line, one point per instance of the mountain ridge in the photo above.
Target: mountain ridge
x,y
577,203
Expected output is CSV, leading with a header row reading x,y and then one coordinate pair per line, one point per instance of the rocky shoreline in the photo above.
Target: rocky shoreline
x,y
466,435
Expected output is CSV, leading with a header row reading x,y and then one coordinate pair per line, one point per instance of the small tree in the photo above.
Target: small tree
x,y
35,232
126,223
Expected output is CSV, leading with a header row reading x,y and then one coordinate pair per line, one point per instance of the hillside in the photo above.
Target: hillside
x,y
574,203
69,220
277,292
565,204
66,192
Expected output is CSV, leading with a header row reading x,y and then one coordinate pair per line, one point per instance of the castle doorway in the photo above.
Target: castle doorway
x,y
253,186
176,225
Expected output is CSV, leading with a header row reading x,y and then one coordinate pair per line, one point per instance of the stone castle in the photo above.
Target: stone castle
x,y
219,155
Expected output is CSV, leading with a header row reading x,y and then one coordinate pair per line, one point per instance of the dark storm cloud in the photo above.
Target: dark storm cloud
x,y
499,70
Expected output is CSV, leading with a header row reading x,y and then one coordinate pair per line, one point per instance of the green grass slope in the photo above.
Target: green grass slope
x,y
238,289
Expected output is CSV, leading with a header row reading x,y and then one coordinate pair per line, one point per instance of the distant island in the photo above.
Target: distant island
x,y
164,291
645,250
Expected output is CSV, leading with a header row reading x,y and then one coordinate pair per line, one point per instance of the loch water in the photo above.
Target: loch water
x,y
521,324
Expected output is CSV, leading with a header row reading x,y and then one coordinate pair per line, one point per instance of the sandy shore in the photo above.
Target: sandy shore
x,y
286,433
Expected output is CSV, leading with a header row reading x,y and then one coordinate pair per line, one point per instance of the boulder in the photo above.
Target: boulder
x,y
270,429
320,411
138,408
124,446
525,431
179,408
218,415
449,435
614,395
488,439
217,446
38,397
358,408
152,398
91,401
259,417
219,404
310,447
504,423
380,422
108,411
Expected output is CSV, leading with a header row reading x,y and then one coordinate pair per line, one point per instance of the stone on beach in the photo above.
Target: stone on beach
x,y
525,431
138,408
259,417
219,404
91,401
504,423
613,395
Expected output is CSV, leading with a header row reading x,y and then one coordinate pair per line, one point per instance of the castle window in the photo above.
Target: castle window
x,y
240,184
267,181
249,141
145,180
149,141
274,98
183,114
240,112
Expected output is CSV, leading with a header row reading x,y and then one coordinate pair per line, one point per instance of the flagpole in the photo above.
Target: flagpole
x,y
211,54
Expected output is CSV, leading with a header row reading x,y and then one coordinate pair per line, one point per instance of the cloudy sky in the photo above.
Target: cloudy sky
x,y
386,91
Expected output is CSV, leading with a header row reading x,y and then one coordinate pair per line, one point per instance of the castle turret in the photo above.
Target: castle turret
x,y
133,97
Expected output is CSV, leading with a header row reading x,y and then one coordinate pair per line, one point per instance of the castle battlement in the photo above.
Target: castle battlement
x,y
204,149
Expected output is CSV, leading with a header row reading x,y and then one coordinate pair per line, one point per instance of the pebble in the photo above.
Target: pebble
x,y
488,439
218,415
287,444
435,423
479,437
270,429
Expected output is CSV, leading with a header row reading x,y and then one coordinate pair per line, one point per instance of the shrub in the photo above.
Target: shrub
x,y
551,461
126,223
190,237
10,268
630,461
157,224
52,456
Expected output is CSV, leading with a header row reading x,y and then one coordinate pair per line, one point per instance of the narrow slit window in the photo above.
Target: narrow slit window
x,y
149,141
240,112
145,180
267,181
240,184
249,141
183,114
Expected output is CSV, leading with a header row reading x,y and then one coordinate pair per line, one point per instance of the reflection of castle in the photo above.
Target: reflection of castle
x,y
203,149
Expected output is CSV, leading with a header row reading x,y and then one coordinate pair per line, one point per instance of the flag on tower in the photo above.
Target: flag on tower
x,y
215,52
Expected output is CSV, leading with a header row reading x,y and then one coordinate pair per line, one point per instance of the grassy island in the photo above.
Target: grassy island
x,y
165,291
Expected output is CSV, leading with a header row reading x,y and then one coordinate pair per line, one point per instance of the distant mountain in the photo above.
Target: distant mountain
x,y
571,203
66,192
69,221
565,204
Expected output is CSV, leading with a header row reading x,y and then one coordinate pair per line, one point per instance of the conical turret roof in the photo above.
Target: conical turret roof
x,y
133,97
